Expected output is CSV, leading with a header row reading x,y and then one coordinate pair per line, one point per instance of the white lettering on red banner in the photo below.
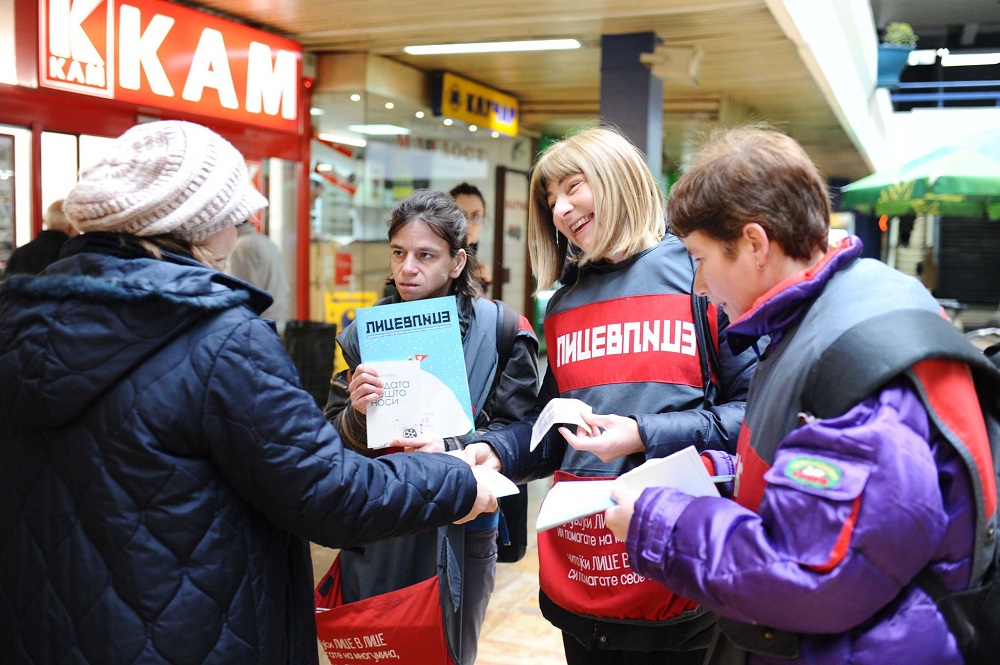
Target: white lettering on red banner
x,y
615,339
584,568
643,338
159,54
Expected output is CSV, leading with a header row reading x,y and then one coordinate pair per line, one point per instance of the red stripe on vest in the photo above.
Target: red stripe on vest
x,y
748,490
713,330
952,395
626,340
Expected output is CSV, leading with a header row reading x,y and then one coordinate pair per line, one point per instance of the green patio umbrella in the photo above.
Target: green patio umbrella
x,y
957,181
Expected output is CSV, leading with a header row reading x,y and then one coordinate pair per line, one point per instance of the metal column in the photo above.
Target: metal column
x,y
631,97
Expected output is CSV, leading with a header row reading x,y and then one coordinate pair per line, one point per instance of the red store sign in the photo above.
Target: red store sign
x,y
155,53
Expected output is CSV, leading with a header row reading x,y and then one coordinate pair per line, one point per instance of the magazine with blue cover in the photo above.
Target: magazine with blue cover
x,y
429,396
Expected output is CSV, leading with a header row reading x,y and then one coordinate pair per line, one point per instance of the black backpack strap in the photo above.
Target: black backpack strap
x,y
872,353
708,355
993,353
507,325
512,535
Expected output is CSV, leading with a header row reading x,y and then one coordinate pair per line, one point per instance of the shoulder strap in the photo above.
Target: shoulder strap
x,y
708,355
507,324
871,353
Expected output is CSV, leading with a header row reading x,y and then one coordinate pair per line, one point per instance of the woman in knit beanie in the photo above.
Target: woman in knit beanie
x,y
161,468
178,183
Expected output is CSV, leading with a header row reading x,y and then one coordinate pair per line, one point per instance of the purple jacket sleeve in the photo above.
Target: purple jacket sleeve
x,y
799,563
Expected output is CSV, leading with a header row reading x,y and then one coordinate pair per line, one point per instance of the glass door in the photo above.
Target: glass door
x,y
6,199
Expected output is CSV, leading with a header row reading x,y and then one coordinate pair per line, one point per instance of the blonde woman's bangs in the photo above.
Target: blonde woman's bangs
x,y
557,164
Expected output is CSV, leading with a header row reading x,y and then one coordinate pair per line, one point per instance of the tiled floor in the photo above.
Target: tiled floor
x,y
514,632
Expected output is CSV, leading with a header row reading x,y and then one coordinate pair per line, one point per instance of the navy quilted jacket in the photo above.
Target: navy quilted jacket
x,y
161,470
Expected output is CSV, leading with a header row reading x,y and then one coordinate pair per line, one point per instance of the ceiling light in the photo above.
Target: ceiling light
x,y
315,111
355,97
419,114
494,47
473,128
448,122
390,105
495,135
343,139
379,130
323,166
969,59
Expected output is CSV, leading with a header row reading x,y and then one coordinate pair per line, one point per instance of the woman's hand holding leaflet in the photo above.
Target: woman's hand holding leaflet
x,y
616,436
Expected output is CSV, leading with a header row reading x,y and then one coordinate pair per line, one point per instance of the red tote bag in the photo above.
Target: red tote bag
x,y
403,626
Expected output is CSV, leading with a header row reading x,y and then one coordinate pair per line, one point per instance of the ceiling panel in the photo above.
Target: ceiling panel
x,y
748,64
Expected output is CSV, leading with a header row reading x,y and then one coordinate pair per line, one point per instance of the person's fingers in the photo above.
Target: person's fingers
x,y
481,454
616,494
364,375
601,420
486,501
580,439
598,422
366,391
366,369
571,438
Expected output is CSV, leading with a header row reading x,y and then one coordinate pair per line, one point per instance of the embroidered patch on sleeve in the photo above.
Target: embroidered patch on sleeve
x,y
813,472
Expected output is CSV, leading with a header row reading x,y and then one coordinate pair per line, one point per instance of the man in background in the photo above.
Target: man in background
x,y
258,261
33,257
471,201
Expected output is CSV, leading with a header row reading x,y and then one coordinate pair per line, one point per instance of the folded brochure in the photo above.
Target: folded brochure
x,y
572,499
559,410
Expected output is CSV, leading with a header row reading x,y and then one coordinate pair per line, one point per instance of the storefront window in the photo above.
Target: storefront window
x,y
6,199
17,151
8,64
60,164
368,153
279,182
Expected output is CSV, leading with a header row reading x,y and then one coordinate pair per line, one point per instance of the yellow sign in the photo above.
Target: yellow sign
x,y
476,104
340,306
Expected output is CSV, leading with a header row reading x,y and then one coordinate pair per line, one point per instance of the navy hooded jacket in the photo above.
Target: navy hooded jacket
x,y
161,469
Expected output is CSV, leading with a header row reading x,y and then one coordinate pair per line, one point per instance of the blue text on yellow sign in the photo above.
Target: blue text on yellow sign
x,y
476,104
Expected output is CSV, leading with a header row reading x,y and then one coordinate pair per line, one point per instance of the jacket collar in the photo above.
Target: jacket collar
x,y
129,247
781,307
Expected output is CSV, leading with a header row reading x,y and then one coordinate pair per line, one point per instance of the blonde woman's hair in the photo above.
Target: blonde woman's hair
x,y
628,201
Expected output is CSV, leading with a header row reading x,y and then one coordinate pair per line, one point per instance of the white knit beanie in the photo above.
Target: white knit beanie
x,y
165,177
